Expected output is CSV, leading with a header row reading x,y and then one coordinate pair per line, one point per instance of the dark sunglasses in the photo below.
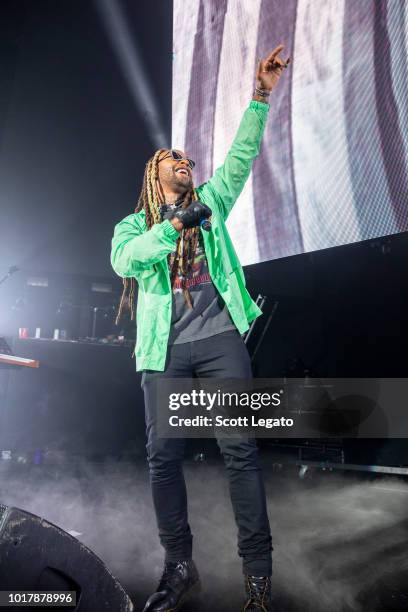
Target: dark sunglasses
x,y
177,157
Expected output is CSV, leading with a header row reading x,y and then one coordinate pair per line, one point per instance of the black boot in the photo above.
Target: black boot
x,y
179,580
258,590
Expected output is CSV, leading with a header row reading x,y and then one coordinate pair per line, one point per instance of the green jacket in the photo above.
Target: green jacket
x,y
142,253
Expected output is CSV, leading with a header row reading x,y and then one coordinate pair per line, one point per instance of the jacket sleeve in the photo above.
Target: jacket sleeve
x,y
134,250
228,181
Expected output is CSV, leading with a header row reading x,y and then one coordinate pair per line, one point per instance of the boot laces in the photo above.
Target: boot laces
x,y
258,589
170,571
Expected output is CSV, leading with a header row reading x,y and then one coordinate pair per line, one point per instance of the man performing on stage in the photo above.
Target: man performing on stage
x,y
191,288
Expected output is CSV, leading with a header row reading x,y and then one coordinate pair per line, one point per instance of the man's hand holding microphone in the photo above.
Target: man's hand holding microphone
x,y
195,214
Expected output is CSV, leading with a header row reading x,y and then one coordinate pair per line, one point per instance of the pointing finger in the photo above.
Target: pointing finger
x,y
259,68
275,52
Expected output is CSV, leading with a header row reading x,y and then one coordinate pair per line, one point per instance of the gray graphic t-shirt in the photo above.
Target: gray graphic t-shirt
x,y
209,315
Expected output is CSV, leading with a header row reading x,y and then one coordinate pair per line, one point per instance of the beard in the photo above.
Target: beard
x,y
182,182
176,183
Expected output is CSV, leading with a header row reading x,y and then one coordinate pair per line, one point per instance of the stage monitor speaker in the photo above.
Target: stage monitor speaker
x,y
37,556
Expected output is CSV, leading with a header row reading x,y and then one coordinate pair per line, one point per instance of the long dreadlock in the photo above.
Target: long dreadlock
x,y
150,199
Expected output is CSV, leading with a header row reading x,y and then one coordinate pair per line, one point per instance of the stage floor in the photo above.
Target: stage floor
x,y
340,540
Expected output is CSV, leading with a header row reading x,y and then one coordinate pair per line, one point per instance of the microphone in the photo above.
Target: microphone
x,y
206,225
167,211
11,271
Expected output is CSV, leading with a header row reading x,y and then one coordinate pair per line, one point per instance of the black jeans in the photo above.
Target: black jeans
x,y
223,355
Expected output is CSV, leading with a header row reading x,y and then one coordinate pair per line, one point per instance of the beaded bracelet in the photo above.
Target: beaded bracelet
x,y
264,93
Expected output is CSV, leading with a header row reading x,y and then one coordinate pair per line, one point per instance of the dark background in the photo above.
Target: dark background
x,y
73,143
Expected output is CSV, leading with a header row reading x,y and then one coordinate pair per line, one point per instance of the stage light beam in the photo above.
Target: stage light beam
x,y
123,44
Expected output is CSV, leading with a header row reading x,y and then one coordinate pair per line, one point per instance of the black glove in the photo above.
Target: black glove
x,y
190,216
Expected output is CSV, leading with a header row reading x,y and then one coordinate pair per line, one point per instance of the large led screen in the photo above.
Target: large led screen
x,y
333,163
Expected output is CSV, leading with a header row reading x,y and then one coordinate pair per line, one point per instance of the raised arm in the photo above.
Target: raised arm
x,y
229,179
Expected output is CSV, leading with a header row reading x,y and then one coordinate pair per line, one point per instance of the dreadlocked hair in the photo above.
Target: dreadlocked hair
x,y
150,199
